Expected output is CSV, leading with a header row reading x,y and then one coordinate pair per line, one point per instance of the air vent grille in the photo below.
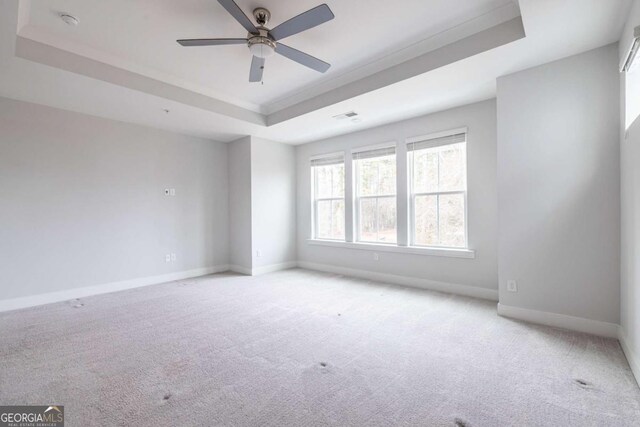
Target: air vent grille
x,y
347,115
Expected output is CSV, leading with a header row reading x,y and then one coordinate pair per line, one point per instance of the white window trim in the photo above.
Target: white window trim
x,y
412,195
379,247
314,201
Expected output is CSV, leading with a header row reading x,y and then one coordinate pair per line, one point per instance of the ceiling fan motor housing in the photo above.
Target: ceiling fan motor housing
x,y
262,15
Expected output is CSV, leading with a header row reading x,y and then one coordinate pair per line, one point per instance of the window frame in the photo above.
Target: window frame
x,y
315,200
357,199
412,195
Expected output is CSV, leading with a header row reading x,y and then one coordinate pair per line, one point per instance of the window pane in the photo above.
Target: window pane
x,y
337,180
387,220
323,219
451,221
439,219
329,181
426,220
425,171
337,212
451,169
322,181
367,220
367,177
376,176
386,174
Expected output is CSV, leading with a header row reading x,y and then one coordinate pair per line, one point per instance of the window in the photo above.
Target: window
x,y
437,168
375,181
328,197
360,201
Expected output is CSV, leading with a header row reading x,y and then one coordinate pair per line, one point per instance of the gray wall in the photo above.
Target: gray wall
x,y
559,186
480,118
82,201
240,203
630,174
273,201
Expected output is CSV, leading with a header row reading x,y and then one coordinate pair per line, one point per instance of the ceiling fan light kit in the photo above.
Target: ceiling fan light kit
x,y
264,42
261,46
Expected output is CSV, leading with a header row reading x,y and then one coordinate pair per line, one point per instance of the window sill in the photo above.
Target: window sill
x,y
444,252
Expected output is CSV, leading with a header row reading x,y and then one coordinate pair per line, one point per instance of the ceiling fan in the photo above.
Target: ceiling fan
x,y
264,42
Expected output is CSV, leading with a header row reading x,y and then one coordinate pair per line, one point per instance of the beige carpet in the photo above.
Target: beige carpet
x,y
300,348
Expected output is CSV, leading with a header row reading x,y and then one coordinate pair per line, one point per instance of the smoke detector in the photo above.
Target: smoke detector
x,y
69,19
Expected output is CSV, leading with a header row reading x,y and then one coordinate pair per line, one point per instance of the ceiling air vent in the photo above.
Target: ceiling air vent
x,y
343,116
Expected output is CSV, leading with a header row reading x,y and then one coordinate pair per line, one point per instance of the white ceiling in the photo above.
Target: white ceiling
x,y
140,37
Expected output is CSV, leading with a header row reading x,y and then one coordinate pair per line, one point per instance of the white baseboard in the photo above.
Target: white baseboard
x,y
414,282
274,267
264,269
563,321
240,269
68,294
632,357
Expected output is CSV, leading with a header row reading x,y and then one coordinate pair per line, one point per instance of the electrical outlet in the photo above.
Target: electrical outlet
x,y
167,258
376,257
167,191
258,253
512,286
173,257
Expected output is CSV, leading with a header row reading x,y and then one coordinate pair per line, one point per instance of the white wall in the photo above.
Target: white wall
x,y
240,204
630,183
481,272
273,203
82,201
559,186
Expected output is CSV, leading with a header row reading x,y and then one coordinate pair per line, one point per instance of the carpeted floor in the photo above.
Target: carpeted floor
x,y
301,348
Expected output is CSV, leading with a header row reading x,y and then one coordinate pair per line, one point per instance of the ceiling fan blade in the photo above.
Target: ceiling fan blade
x,y
210,42
309,19
302,58
237,13
257,67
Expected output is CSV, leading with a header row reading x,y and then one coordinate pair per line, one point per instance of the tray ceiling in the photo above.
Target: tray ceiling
x,y
391,60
